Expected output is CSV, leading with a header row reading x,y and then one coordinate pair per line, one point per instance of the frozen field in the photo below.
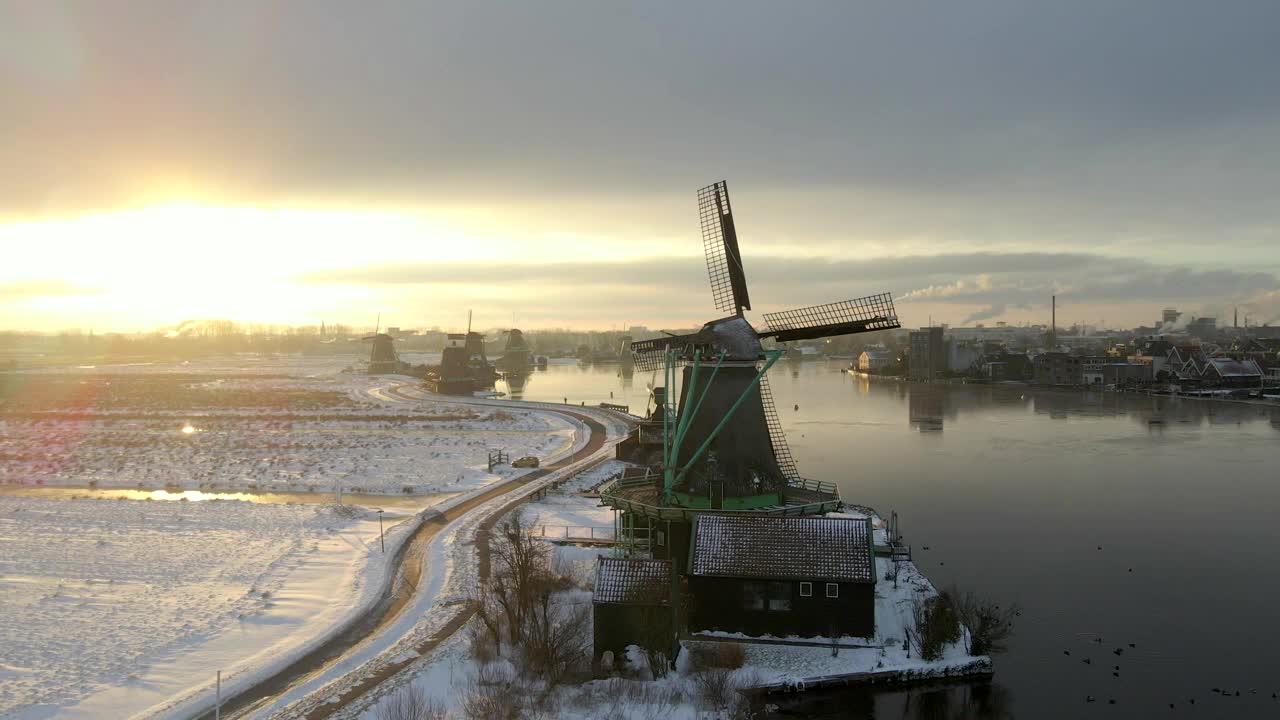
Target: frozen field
x,y
96,593
216,428
110,607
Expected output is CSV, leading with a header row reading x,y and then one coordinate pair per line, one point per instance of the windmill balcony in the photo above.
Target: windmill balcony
x,y
643,496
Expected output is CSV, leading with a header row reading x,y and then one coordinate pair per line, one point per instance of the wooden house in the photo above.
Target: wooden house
x,y
782,576
631,604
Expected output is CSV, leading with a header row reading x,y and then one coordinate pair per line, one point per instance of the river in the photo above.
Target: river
x,y
1110,519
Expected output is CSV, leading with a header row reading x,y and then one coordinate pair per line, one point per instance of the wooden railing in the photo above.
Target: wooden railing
x,y
613,494
813,485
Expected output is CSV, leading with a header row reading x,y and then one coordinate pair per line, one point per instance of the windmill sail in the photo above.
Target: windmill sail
x,y
720,243
874,312
777,438
649,354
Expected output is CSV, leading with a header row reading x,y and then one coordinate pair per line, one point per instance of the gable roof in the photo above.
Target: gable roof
x,y
783,548
1229,367
623,581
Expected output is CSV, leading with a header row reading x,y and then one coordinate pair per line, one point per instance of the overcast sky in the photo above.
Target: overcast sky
x,y
298,161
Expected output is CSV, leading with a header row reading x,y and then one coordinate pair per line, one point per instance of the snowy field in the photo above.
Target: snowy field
x,y
302,427
97,595
115,607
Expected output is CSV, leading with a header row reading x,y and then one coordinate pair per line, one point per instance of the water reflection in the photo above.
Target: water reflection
x,y
933,701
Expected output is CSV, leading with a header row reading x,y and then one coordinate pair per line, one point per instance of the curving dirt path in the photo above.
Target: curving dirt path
x,y
408,569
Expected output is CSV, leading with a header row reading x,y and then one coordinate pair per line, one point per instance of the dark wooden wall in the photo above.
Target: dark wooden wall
x,y
617,626
720,604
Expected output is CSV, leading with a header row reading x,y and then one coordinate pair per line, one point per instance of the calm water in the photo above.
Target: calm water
x,y
1014,490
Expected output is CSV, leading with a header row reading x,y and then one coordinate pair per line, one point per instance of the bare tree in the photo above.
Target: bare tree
x,y
556,637
989,625
520,572
489,613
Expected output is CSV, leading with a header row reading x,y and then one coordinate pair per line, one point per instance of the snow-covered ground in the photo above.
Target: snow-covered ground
x,y
450,572
450,670
110,606
267,432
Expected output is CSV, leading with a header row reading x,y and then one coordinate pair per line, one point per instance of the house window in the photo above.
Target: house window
x,y
766,596
833,590
661,537
806,589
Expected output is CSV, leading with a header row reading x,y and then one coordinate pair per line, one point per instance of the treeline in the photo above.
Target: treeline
x,y
213,337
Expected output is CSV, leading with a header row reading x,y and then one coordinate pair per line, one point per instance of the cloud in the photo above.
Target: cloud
x,y
29,289
991,281
990,313
1144,114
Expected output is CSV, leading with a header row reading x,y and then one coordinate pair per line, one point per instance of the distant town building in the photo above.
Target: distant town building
x,y
1203,327
1111,372
1154,353
962,355
928,358
1059,368
872,360
1229,372
1006,367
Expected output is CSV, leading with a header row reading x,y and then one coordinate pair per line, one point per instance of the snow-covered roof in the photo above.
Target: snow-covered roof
x,y
783,548
1229,367
632,582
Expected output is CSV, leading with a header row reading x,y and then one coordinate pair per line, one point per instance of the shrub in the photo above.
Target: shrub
x,y
482,702
729,656
989,625
557,637
484,649
935,625
715,687
411,703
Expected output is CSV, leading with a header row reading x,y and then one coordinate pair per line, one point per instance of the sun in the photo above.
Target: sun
x,y
162,264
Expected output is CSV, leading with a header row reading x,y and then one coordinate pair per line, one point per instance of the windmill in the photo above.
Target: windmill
x,y
382,356
708,460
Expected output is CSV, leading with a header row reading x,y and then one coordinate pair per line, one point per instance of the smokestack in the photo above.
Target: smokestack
x,y
1053,322
1236,321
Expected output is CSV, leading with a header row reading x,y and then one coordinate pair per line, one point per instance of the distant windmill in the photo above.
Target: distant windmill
x,y
736,387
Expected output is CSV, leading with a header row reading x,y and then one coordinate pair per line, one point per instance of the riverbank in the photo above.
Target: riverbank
x,y
1271,396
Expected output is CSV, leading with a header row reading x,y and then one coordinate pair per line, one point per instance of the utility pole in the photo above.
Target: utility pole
x,y
217,701
382,539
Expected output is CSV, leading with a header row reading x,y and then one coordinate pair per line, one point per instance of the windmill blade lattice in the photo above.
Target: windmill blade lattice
x,y
874,312
777,438
720,243
650,354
